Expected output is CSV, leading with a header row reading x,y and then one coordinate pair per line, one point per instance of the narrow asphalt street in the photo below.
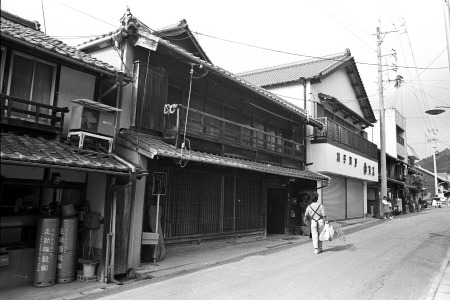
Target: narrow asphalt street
x,y
396,259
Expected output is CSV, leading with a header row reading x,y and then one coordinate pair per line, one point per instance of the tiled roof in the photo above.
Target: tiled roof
x,y
38,40
26,149
294,71
154,146
174,33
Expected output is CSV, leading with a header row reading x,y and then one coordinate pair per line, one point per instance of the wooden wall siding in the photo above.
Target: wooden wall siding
x,y
249,204
274,141
151,97
194,205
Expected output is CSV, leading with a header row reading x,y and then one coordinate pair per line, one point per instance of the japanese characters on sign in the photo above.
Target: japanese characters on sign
x,y
353,161
47,247
159,183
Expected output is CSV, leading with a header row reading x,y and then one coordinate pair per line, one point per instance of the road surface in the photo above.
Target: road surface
x,y
396,259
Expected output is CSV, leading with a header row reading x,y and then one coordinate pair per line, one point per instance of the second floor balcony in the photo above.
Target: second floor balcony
x,y
32,115
343,137
208,127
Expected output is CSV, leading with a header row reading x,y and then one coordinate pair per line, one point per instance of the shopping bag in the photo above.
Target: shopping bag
x,y
327,233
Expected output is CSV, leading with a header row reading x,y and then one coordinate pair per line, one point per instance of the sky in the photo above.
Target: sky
x,y
245,35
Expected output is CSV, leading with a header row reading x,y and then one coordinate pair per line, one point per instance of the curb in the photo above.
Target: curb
x,y
434,290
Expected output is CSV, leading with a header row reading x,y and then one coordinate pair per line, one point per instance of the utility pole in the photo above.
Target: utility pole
x,y
433,139
382,126
447,28
383,175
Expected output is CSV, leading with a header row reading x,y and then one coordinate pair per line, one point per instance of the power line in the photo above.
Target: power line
x,y
304,55
248,45
115,26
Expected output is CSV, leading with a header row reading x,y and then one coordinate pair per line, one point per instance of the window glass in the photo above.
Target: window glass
x,y
259,124
30,80
231,131
270,138
212,126
281,133
21,78
246,136
42,85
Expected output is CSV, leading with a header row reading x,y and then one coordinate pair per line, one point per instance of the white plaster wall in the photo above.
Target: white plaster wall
x,y
293,93
338,85
392,118
324,156
74,85
108,55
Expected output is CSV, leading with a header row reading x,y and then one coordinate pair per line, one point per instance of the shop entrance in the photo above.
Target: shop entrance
x,y
276,208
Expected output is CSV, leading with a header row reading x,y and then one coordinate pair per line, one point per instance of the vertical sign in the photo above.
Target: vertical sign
x,y
159,183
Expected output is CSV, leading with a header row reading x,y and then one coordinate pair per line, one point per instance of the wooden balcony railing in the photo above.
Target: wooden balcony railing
x,y
30,114
340,135
210,127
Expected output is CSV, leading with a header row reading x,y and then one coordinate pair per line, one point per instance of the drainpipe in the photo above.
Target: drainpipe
x,y
113,238
110,242
303,82
133,168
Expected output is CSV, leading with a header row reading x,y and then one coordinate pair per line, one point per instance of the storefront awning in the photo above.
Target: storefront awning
x,y
37,151
152,146
396,181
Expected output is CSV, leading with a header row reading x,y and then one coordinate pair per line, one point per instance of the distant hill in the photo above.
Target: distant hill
x,y
442,162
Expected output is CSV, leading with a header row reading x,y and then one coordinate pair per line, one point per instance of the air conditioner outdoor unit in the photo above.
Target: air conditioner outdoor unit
x,y
93,117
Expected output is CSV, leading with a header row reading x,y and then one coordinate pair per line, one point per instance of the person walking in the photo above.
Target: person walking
x,y
315,216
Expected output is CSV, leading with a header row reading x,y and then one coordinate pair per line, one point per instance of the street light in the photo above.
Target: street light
x,y
435,111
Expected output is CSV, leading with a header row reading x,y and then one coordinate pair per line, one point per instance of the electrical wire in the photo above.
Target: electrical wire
x,y
307,56
248,45
82,12
183,144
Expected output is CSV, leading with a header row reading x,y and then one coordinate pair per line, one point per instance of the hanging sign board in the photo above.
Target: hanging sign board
x,y
159,183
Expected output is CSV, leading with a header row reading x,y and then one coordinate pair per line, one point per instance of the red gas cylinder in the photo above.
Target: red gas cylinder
x,y
67,245
46,251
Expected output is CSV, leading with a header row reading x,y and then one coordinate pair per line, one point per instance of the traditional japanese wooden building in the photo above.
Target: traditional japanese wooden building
x,y
331,90
233,154
43,174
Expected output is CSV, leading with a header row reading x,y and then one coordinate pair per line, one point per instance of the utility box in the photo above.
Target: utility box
x,y
93,117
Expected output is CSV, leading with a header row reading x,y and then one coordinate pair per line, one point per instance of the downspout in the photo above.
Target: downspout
x,y
303,82
113,238
132,167
108,240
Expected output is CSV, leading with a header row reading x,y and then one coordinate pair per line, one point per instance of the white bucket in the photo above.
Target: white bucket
x,y
89,270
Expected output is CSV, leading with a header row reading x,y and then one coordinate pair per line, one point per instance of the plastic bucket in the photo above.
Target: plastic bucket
x,y
89,270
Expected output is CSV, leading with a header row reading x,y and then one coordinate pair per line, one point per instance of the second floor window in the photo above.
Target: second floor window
x,y
31,79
